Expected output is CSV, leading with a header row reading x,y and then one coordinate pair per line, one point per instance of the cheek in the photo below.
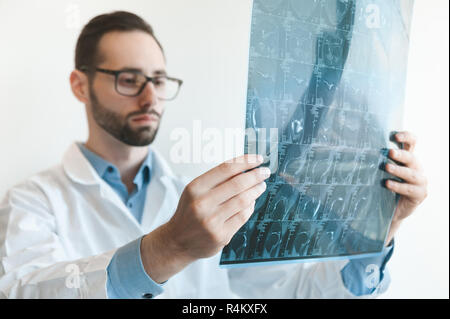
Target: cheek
x,y
106,92
111,100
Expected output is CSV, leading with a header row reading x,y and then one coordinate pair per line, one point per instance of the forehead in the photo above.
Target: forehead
x,y
131,49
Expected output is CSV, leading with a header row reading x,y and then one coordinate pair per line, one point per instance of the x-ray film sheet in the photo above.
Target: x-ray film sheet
x,y
325,91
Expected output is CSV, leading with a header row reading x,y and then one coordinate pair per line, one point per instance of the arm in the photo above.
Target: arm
x,y
127,278
210,211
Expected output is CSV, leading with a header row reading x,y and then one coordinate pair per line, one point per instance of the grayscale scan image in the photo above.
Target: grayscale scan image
x,y
326,86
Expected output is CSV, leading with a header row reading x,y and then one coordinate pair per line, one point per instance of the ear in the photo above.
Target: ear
x,y
80,86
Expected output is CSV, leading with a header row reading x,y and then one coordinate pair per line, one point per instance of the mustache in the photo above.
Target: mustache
x,y
149,112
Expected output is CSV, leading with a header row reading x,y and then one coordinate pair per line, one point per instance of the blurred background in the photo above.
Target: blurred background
x,y
206,43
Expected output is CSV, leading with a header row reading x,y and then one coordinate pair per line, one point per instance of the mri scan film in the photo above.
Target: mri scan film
x,y
328,77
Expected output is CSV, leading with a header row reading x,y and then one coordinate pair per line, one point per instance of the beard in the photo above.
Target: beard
x,y
119,127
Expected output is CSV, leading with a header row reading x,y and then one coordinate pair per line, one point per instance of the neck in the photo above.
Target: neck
x,y
126,158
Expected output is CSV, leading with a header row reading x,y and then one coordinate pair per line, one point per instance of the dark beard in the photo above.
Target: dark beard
x,y
118,127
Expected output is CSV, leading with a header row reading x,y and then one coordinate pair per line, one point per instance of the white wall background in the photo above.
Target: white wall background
x,y
206,42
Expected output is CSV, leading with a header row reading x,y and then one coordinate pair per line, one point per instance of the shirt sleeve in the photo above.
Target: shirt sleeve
x,y
368,276
127,278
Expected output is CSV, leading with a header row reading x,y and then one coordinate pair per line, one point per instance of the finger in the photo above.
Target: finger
x,y
409,175
408,139
237,185
412,191
404,157
225,171
235,222
241,201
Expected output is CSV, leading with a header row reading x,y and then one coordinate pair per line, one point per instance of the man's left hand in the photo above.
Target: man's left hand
x,y
413,190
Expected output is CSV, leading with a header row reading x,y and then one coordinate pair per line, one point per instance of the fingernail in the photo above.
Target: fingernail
x,y
260,158
384,151
390,168
392,136
263,186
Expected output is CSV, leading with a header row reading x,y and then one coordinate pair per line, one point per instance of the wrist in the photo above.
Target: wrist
x,y
396,224
392,230
161,257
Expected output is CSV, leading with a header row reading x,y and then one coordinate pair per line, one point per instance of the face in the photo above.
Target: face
x,y
132,120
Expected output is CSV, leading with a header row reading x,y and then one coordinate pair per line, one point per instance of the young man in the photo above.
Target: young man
x,y
113,220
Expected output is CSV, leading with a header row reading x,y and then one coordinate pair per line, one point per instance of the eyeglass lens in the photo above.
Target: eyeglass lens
x,y
130,83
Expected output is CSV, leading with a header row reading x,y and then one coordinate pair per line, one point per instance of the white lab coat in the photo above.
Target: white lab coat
x,y
60,229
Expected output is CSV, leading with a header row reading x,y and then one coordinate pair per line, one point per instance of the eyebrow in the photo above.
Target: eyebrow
x,y
156,72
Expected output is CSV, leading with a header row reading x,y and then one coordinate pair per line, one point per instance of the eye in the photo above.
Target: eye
x,y
129,79
159,82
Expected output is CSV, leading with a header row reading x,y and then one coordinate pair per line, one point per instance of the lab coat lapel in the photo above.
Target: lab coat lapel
x,y
109,194
79,170
162,197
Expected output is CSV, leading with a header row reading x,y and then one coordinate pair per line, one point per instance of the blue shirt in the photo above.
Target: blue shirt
x,y
127,278
366,276
111,175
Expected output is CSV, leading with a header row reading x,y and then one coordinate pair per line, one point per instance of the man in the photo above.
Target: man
x,y
112,221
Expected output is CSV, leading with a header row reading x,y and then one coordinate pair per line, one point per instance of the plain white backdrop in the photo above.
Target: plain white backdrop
x,y
206,43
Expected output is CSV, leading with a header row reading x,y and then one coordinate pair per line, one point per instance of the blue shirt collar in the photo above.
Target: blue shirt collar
x,y
110,173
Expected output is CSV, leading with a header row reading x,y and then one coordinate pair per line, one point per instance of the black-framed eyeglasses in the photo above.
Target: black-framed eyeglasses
x,y
132,83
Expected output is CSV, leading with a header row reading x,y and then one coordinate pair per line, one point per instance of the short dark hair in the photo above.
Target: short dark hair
x,y
86,52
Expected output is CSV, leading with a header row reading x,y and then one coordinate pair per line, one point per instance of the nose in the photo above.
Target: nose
x,y
148,97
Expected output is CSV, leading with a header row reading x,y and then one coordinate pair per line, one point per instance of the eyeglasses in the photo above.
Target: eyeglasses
x,y
132,83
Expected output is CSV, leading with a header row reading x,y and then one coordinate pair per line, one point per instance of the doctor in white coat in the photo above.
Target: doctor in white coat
x,y
113,221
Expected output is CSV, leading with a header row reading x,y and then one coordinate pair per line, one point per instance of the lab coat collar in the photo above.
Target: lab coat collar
x,y
157,203
78,168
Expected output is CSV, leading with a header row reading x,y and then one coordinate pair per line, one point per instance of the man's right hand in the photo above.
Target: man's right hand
x,y
212,208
